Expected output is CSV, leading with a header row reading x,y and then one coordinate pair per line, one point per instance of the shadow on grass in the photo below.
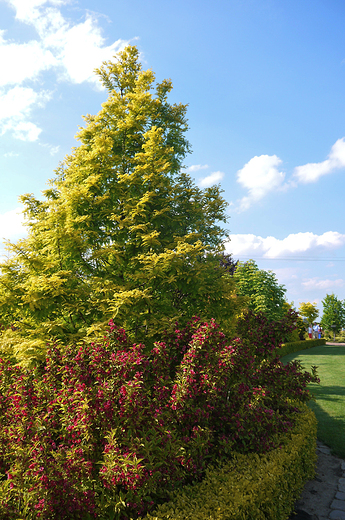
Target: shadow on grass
x,y
327,393
330,428
329,406
323,350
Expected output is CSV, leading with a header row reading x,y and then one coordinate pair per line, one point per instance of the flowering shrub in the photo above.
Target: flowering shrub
x,y
109,430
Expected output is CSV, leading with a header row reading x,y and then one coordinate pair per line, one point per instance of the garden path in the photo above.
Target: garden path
x,y
324,497
319,497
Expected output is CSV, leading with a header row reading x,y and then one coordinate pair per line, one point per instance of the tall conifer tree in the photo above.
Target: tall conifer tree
x,y
122,231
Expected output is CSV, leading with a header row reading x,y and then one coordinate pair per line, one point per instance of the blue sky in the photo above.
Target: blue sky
x,y
265,84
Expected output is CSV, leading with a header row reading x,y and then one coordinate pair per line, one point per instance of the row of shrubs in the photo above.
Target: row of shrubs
x,y
110,430
296,346
251,486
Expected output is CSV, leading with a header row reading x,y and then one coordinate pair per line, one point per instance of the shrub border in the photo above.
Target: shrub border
x,y
260,487
296,346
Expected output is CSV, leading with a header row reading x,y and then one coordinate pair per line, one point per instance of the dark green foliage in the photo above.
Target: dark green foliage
x,y
333,318
262,290
227,263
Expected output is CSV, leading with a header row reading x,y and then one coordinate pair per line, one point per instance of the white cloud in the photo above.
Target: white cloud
x,y
286,274
317,283
11,228
53,150
197,167
28,10
25,131
11,224
271,247
311,172
11,154
17,102
76,50
23,61
210,180
15,110
259,176
81,50
71,50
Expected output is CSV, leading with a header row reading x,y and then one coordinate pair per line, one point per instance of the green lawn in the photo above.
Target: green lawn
x,y
329,406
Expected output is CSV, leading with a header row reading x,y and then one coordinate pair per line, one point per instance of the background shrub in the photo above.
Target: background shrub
x,y
295,346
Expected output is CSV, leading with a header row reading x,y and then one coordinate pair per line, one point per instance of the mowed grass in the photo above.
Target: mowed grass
x,y
329,406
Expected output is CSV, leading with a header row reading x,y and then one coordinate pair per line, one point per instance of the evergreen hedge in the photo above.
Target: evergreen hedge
x,y
296,346
251,486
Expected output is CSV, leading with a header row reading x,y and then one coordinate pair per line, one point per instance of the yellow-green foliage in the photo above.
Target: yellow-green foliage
x,y
251,487
309,311
295,346
122,233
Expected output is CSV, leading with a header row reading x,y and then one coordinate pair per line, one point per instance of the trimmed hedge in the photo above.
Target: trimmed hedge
x,y
295,346
251,487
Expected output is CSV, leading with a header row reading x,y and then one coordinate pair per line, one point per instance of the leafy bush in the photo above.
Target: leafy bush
x,y
109,430
339,338
264,487
299,334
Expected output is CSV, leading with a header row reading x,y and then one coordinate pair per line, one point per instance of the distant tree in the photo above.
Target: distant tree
x,y
309,311
300,328
122,232
227,262
264,293
333,318
299,331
